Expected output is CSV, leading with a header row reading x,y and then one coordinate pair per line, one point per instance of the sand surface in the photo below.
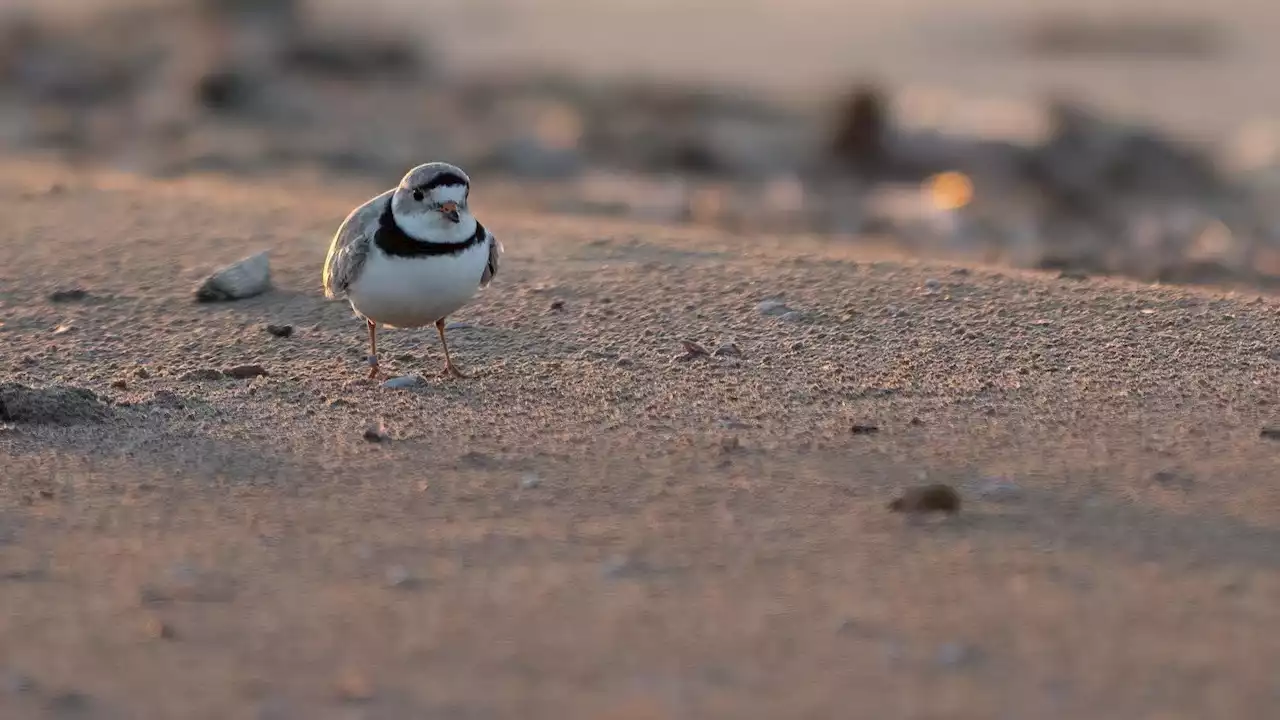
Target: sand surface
x,y
593,528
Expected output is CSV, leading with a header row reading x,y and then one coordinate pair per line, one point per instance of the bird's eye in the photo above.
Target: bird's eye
x,y
417,195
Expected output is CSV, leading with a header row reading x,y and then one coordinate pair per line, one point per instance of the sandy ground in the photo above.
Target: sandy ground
x,y
594,529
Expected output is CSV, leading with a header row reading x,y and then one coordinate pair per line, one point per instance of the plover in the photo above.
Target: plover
x,y
413,255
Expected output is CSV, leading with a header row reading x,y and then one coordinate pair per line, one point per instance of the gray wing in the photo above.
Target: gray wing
x,y
350,246
495,251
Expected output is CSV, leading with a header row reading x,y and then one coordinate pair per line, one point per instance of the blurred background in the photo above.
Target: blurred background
x,y
1132,137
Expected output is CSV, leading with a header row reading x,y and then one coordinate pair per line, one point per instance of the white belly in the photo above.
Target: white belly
x,y
414,292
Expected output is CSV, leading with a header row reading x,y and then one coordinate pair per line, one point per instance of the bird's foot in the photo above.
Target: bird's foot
x,y
451,370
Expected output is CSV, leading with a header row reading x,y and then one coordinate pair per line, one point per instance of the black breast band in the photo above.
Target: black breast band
x,y
394,242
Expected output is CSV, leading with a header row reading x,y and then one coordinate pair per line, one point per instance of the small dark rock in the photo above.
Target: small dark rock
x,y
223,90
1172,478
166,398
859,429
160,629
375,433
280,331
69,704
68,295
201,375
692,351
936,497
1270,433
244,372
556,305
477,459
120,385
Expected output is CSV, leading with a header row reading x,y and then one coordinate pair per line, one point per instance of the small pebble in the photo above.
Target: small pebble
x,y
999,490
68,295
694,348
1270,433
932,284
404,381
375,433
158,628
860,429
353,686
69,704
244,278
955,654
120,385
772,307
244,372
1172,478
927,498
280,331
556,305
398,576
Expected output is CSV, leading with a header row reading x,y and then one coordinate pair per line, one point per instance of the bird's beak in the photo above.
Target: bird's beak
x,y
450,210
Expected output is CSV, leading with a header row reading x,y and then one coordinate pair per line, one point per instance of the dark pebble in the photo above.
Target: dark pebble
x,y
68,295
280,331
557,305
927,498
1270,433
244,372
864,429
120,385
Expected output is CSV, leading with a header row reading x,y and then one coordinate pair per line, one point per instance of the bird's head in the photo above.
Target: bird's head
x,y
430,204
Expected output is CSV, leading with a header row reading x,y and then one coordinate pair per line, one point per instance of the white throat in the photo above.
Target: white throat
x,y
436,228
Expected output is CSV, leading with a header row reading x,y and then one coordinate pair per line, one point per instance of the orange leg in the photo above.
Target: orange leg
x,y
449,367
373,349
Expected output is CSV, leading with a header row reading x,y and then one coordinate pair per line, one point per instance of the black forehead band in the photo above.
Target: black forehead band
x,y
444,180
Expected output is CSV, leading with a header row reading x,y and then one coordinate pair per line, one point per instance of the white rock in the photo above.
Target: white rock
x,y
242,279
404,381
